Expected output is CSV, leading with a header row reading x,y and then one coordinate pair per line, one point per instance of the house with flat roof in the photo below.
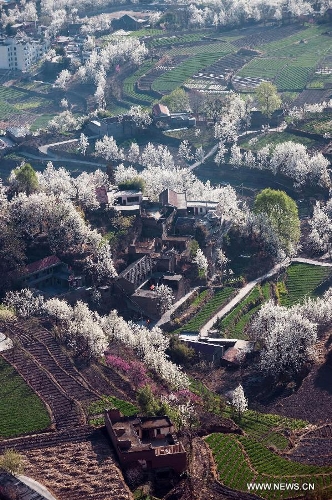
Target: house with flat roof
x,y
148,441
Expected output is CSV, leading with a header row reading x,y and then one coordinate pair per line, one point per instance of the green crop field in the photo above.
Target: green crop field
x,y
291,61
207,311
299,281
275,138
241,460
262,67
170,80
130,95
234,324
303,280
21,411
98,407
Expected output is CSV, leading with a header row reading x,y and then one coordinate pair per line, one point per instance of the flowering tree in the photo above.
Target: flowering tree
x,y
239,401
107,148
83,144
286,339
140,117
202,262
165,298
63,79
100,265
185,151
25,303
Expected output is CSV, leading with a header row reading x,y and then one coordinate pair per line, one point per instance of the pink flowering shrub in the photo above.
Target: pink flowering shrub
x,y
186,395
117,363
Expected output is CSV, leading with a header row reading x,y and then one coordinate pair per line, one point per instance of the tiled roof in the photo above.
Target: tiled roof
x,y
39,265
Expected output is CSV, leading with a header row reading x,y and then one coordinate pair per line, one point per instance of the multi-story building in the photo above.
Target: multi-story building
x,y
20,52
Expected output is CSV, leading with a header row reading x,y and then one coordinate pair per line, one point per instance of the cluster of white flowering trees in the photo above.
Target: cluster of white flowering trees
x,y
222,13
81,189
320,236
286,337
117,51
161,173
56,211
288,158
89,334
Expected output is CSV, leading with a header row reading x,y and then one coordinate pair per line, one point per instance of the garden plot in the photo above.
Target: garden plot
x,y
145,81
241,83
263,67
176,77
19,107
221,70
267,35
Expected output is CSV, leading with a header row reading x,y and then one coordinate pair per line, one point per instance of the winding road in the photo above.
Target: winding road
x,y
204,331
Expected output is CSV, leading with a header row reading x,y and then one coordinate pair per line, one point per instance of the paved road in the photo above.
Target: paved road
x,y
54,158
198,163
204,332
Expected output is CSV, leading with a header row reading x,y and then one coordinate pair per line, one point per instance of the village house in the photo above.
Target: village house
x,y
50,275
146,441
128,23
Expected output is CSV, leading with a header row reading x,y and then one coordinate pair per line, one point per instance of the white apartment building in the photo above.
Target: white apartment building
x,y
19,53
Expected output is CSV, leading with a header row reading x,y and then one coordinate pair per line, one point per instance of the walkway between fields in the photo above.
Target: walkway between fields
x,y
166,317
204,332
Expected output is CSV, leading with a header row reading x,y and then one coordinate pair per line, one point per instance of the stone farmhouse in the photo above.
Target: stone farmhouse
x,y
146,441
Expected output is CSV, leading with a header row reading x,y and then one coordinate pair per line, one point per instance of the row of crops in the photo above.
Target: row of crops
x,y
299,281
303,280
20,400
208,310
241,460
129,91
170,80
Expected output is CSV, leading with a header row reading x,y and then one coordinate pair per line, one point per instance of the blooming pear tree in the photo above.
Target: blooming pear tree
x,y
286,339
165,298
239,401
202,263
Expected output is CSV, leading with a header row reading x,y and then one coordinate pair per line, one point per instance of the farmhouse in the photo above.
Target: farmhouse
x,y
50,275
128,23
149,441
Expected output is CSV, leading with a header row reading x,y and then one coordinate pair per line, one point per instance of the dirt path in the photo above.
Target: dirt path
x,y
204,332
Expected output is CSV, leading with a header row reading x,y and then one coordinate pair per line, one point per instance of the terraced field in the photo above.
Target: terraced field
x,y
299,281
21,107
19,400
303,280
241,460
170,80
207,311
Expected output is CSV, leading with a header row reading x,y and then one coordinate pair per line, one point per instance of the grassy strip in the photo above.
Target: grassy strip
x,y
21,411
275,138
233,324
97,407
